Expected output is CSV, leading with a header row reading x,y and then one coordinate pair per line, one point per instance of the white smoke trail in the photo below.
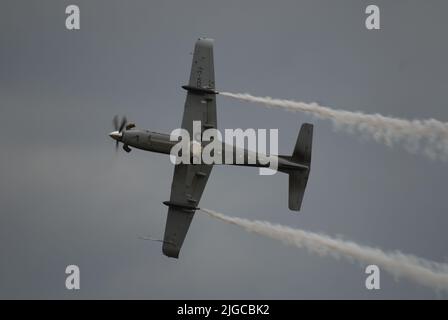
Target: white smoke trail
x,y
424,272
429,136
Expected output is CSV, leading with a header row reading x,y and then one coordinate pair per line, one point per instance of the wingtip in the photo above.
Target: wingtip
x,y
170,251
205,42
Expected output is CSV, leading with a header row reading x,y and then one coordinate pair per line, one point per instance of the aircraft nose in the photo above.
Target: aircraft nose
x,y
116,135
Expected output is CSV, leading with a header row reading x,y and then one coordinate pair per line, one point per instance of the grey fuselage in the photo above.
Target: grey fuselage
x,y
161,143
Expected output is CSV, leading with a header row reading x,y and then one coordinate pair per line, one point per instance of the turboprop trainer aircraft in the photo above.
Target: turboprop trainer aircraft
x,y
189,180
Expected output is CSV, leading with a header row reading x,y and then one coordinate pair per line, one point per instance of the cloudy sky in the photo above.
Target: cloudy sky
x,y
67,198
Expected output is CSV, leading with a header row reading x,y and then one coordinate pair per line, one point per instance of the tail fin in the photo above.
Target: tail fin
x,y
299,178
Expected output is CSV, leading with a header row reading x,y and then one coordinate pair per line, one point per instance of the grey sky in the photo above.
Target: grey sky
x,y
67,198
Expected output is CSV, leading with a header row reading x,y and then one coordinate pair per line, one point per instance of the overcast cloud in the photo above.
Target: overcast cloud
x,y
67,197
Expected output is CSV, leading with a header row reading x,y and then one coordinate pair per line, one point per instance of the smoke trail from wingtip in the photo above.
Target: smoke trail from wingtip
x,y
421,271
429,136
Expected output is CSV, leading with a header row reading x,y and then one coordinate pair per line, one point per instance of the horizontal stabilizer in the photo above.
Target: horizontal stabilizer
x,y
302,149
299,178
297,185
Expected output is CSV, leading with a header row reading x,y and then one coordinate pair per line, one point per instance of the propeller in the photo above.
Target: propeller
x,y
119,126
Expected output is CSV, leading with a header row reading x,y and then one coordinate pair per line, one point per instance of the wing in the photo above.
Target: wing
x,y
186,190
189,180
201,106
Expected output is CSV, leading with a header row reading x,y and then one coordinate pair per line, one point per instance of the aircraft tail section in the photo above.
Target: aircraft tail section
x,y
301,155
302,149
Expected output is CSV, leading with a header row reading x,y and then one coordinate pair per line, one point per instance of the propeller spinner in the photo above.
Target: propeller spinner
x,y
118,133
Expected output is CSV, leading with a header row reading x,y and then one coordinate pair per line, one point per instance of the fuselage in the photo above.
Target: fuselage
x,y
161,143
